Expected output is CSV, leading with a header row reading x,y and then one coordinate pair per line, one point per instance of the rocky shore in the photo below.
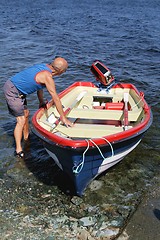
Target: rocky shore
x,y
32,210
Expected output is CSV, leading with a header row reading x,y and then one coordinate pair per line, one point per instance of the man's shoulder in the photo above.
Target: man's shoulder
x,y
43,76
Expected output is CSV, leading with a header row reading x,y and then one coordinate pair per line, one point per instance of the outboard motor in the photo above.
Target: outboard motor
x,y
102,73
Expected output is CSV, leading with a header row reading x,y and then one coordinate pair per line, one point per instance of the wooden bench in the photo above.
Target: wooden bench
x,y
104,114
88,131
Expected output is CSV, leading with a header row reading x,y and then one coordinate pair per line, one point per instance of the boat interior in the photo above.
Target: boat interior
x,y
99,113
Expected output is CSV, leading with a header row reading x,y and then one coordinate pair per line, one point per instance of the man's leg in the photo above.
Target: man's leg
x,y
18,132
26,125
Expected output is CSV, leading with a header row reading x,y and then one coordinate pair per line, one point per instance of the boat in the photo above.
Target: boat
x,y
110,119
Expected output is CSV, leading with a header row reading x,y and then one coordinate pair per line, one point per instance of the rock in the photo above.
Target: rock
x,y
87,221
76,200
84,235
46,196
95,185
108,233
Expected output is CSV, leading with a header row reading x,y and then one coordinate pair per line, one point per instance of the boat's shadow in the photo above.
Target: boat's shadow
x,y
44,168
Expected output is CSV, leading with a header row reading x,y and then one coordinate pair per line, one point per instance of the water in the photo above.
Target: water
x,y
125,36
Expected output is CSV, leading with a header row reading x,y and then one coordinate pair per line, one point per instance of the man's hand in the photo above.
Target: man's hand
x,y
43,105
66,122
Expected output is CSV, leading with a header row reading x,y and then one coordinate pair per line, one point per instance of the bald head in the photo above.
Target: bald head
x,y
60,64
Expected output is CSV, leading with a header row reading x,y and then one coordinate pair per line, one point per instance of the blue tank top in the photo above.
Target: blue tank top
x,y
25,81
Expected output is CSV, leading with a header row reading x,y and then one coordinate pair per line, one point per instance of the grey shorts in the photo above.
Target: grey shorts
x,y
16,102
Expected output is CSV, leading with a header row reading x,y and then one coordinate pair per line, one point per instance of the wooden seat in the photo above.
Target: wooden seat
x,y
88,131
104,114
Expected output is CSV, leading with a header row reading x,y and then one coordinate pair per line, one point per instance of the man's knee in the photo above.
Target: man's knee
x,y
21,120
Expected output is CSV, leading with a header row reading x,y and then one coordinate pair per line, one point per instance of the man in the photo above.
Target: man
x,y
30,80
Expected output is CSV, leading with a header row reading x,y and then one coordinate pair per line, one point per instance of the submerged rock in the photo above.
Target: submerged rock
x,y
95,185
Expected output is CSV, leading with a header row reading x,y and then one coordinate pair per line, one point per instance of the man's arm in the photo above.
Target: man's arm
x,y
50,85
40,98
47,79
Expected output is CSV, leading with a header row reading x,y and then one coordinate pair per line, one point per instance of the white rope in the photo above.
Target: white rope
x,y
109,145
97,148
80,166
78,169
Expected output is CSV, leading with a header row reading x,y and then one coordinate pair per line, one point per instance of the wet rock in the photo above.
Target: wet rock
x,y
46,196
92,209
87,221
62,219
95,185
107,233
117,223
76,200
23,209
84,235
125,211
